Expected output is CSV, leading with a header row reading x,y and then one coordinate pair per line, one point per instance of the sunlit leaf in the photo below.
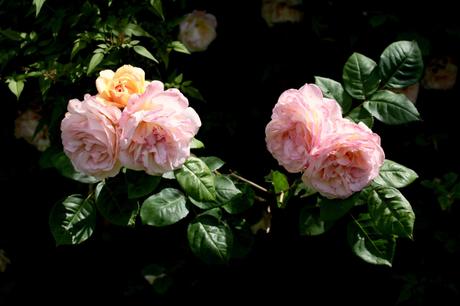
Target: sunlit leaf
x,y
96,59
164,208
15,86
73,220
391,212
395,175
368,244
360,76
196,180
144,52
38,6
401,64
210,239
391,108
334,90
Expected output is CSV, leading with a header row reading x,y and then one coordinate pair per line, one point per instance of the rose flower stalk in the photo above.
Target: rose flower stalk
x,y
308,134
152,133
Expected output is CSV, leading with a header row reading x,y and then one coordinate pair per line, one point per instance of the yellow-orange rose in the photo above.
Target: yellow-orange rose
x,y
117,87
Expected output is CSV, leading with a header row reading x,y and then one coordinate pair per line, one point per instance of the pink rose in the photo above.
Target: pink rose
x,y
440,73
345,162
25,127
281,11
117,87
156,130
300,119
90,138
197,30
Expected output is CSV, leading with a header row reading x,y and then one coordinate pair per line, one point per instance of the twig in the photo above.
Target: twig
x,y
249,182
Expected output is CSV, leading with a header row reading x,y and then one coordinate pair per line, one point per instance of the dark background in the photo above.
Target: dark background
x,y
241,76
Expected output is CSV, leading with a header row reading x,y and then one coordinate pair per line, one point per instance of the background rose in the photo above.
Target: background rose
x,y
346,162
300,118
25,127
279,11
197,30
90,138
117,87
440,73
156,130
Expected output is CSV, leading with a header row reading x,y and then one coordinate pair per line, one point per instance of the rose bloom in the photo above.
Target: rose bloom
x,y
346,161
117,87
197,30
411,92
300,119
25,127
280,11
440,73
90,137
156,130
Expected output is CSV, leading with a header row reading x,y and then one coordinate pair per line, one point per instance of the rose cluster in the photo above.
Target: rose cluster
x,y
130,123
308,134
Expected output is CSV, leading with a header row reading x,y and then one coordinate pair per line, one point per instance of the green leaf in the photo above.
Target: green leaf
x,y
140,183
278,180
63,164
210,239
38,6
179,47
196,144
360,114
114,205
15,86
164,208
157,7
196,180
368,244
391,108
78,45
360,76
391,212
395,175
334,90
241,202
96,59
225,192
136,30
13,35
310,222
213,163
401,64
72,221
334,209
144,52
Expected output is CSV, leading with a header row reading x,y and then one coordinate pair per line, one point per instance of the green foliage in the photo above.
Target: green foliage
x,y
73,220
164,208
210,239
197,180
395,175
360,76
334,90
446,189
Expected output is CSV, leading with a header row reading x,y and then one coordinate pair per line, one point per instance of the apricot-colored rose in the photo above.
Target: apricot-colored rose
x,y
299,121
197,30
157,128
25,126
117,87
346,161
281,11
90,136
440,73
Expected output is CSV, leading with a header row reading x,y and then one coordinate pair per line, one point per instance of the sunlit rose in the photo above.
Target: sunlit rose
x,y
346,161
440,73
90,136
157,128
197,30
25,126
299,121
117,87
281,11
